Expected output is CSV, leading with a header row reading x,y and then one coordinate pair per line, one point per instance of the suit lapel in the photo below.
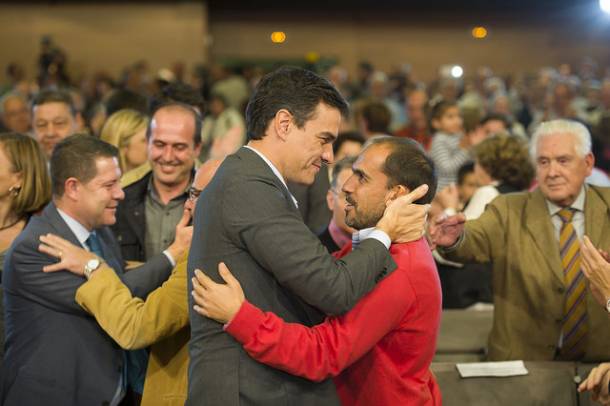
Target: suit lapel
x,y
539,225
59,225
259,166
596,216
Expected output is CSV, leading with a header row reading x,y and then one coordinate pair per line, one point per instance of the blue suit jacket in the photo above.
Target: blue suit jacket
x,y
56,353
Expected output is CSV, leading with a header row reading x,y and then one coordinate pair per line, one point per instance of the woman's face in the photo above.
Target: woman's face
x,y
8,178
136,151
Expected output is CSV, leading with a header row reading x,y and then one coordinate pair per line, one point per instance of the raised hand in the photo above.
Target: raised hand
x,y
597,269
445,230
184,235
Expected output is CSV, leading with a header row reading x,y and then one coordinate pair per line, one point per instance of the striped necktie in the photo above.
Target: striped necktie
x,y
575,327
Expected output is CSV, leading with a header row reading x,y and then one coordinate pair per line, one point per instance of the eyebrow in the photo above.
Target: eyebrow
x,y
327,134
360,173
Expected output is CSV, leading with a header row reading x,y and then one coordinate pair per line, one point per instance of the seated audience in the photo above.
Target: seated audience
x,y
224,129
54,118
15,113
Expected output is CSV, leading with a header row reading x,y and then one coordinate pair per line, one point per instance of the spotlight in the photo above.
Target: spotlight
x,y
457,71
278,37
479,32
604,5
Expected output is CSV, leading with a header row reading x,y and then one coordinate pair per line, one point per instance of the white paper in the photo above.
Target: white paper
x,y
478,369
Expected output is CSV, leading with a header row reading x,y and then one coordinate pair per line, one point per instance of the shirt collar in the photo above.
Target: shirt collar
x,y
275,171
77,228
579,203
359,235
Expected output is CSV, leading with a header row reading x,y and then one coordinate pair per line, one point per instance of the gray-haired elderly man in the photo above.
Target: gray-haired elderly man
x,y
533,240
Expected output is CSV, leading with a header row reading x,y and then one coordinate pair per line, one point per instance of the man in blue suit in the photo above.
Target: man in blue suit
x,y
56,354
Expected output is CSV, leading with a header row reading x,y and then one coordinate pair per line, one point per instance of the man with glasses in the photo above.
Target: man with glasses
x,y
337,234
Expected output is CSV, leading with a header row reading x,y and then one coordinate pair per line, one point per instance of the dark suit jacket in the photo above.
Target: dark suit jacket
x,y
56,354
327,240
246,218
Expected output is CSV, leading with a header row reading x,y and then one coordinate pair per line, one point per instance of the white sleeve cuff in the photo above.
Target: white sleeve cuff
x,y
170,258
380,236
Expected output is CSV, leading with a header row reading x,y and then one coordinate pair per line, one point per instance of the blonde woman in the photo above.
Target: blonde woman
x,y
126,130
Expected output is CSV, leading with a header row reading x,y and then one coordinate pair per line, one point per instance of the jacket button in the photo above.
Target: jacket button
x,y
561,289
136,213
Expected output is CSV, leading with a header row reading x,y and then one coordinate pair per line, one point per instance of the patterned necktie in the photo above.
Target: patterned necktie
x,y
575,327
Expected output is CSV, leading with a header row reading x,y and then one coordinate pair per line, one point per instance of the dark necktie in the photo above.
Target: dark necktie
x,y
93,243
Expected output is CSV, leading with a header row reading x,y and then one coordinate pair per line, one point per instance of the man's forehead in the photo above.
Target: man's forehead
x,y
52,107
372,157
556,144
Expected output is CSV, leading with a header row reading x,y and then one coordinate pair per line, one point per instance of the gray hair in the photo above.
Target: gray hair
x,y
345,163
7,97
577,130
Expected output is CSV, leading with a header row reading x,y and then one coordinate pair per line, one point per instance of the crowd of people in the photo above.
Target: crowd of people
x,y
242,236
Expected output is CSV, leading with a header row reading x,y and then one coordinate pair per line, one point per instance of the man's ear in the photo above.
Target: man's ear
x,y
282,123
330,199
395,193
71,187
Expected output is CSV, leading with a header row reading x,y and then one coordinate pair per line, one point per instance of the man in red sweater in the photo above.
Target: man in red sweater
x,y
380,351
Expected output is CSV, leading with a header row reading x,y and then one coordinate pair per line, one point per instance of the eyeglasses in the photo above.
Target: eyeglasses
x,y
194,193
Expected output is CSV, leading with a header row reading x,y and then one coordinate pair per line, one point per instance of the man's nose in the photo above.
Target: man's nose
x,y
168,153
327,154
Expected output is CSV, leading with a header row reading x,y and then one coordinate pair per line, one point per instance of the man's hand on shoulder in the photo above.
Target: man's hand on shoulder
x,y
404,221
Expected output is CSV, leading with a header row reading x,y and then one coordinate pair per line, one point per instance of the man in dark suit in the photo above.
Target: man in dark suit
x,y
247,218
56,354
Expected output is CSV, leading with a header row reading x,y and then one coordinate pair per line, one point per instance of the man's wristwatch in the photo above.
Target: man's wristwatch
x,y
91,266
608,305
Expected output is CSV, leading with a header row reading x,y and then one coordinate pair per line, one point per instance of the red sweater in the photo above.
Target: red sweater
x,y
379,352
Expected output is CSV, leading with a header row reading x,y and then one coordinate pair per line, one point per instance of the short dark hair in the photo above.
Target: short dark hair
x,y
345,163
464,171
126,99
74,157
187,107
295,89
54,96
377,116
345,136
180,93
407,164
439,108
497,117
